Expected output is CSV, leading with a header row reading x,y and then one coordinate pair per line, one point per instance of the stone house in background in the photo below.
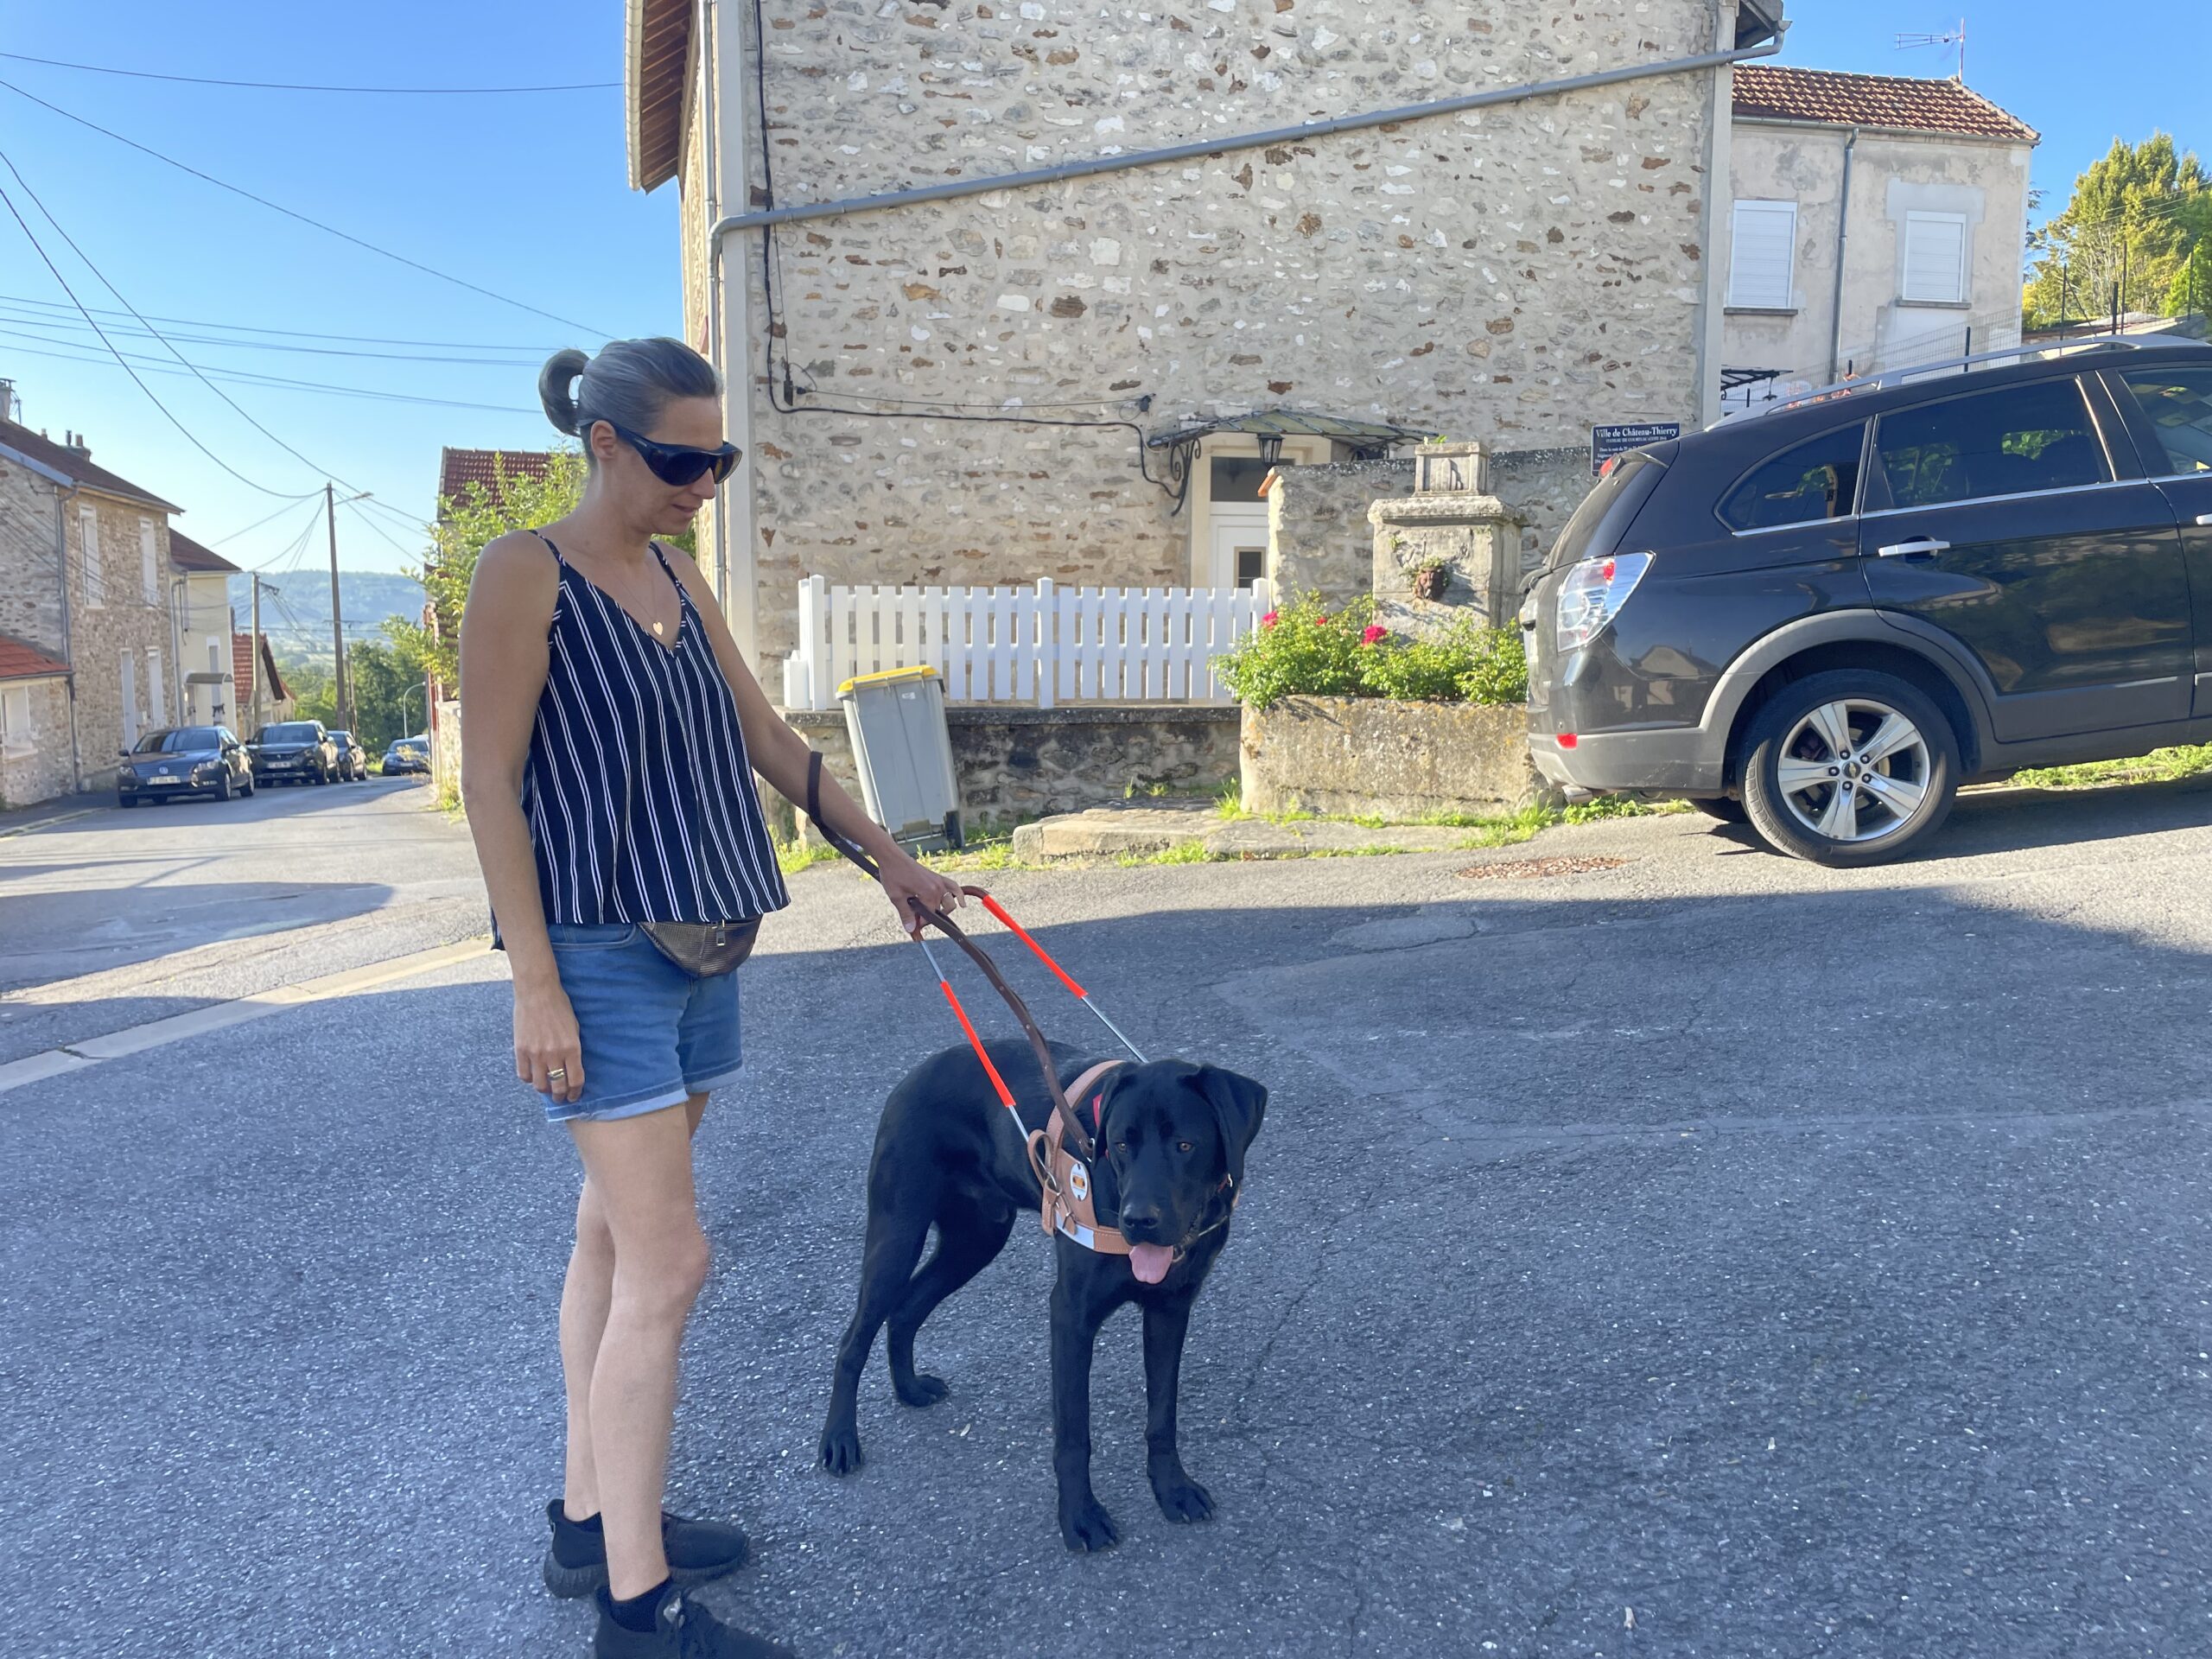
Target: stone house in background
x,y
275,697
1052,367
84,579
202,628
35,758
1877,220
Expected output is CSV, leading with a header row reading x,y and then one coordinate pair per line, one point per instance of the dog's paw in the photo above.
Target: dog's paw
x,y
1182,1498
923,1390
1086,1527
840,1450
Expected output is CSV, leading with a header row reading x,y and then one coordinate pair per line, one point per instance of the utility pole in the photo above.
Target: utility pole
x,y
337,616
253,657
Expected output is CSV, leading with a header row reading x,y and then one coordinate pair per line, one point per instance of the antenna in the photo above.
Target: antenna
x,y
1956,37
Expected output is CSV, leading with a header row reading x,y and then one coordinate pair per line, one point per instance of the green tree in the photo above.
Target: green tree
x,y
387,698
468,523
2132,224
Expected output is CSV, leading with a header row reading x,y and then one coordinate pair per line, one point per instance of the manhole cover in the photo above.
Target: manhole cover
x,y
1529,868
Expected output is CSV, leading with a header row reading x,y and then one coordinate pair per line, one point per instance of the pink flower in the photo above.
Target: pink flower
x,y
1268,621
1376,633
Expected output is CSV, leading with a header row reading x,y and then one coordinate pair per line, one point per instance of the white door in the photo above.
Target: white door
x,y
1240,545
130,678
156,694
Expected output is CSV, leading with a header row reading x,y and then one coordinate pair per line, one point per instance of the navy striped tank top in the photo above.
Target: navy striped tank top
x,y
638,791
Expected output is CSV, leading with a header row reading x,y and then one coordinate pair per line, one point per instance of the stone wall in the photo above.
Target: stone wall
x,y
1520,271
125,623
1367,757
42,770
1318,535
30,592
1016,764
1541,488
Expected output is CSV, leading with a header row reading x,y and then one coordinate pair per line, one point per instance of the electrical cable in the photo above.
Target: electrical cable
x,y
293,334
151,332
87,261
289,87
258,523
330,230
17,214
393,541
250,378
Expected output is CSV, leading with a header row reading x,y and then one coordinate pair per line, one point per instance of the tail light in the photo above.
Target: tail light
x,y
1593,593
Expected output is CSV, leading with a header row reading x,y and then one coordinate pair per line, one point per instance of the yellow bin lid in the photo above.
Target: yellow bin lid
x,y
889,675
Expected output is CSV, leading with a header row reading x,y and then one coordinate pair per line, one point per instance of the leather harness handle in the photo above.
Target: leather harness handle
x,y
1071,1123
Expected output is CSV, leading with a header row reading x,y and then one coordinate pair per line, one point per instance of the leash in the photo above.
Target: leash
x,y
1071,1120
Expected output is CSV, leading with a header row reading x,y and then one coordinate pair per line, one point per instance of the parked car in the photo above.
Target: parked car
x,y
295,751
1826,616
407,754
183,760
353,759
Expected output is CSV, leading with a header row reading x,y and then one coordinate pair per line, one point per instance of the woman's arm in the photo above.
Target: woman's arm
x,y
781,755
503,662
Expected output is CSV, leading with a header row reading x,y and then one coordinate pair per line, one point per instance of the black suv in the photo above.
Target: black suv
x,y
294,752
1828,616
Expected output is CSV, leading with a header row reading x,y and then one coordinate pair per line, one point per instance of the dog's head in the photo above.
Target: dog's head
x,y
1174,1135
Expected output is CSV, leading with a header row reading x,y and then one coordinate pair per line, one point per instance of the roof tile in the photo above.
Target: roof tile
x,y
458,468
77,468
22,660
1831,97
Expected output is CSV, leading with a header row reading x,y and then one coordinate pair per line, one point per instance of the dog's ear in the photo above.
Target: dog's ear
x,y
1238,1103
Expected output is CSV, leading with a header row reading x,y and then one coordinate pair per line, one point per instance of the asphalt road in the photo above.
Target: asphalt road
x,y
1698,1255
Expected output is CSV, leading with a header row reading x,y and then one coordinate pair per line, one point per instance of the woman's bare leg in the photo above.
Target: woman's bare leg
x,y
585,1296
639,1172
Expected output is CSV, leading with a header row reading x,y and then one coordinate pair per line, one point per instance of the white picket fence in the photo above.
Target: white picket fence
x,y
1045,646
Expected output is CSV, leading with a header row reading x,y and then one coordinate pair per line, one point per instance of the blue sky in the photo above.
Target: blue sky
x,y
527,195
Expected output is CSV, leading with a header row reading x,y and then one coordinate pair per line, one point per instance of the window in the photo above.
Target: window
x,y
184,740
2011,441
88,544
149,561
1763,263
1811,481
1936,259
156,699
2179,403
17,736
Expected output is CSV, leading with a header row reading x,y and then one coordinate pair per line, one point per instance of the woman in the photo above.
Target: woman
x,y
610,733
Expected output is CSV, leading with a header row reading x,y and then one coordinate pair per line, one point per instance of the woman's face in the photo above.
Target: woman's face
x,y
689,422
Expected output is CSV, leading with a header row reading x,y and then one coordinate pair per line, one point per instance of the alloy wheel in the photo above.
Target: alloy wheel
x,y
1854,770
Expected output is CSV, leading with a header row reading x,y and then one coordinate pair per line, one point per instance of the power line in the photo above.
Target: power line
x,y
87,261
38,320
291,507
411,552
291,86
292,333
332,230
249,378
17,213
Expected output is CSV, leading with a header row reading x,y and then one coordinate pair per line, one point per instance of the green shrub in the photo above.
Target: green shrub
x,y
1303,650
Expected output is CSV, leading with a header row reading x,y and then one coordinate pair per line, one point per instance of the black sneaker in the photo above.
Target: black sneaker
x,y
684,1629
576,1562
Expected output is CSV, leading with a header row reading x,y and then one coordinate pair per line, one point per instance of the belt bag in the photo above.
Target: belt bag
x,y
703,950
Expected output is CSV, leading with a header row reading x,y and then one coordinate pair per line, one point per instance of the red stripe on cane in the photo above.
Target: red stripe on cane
x,y
1022,933
1006,1095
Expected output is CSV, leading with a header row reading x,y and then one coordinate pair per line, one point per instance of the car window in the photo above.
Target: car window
x,y
1805,484
2179,403
180,740
2010,441
1575,541
291,732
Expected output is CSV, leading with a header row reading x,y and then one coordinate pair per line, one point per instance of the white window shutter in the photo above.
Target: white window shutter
x,y
149,561
1762,265
88,537
1936,257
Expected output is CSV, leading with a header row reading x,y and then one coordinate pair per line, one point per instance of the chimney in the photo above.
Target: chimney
x,y
9,404
75,444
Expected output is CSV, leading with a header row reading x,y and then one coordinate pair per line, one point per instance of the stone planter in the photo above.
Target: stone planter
x,y
1368,757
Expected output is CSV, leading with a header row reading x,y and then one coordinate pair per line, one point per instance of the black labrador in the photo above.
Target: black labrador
x,y
947,1152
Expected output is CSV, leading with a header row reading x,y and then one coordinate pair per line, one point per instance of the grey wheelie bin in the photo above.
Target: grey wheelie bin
x,y
903,751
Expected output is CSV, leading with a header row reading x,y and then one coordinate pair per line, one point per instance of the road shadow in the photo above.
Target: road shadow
x,y
1616,1275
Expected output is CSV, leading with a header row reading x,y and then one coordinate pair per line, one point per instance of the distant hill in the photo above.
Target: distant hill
x,y
296,617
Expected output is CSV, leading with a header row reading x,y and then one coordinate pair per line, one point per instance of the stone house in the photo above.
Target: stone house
x,y
202,630
1876,220
275,699
35,758
1008,289
84,579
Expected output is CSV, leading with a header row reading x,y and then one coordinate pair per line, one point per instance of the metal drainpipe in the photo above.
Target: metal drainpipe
x,y
1842,234
709,69
1206,147
62,500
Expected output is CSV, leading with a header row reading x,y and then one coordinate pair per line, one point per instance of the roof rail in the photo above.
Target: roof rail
x,y
1915,370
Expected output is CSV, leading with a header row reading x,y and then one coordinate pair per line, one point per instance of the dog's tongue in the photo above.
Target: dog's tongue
x,y
1150,1263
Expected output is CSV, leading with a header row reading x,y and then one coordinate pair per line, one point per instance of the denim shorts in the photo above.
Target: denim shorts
x,y
653,1035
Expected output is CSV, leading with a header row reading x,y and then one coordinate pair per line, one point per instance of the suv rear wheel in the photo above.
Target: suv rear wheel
x,y
1853,766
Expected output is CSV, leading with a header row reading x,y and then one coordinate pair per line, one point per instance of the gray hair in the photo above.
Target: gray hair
x,y
629,382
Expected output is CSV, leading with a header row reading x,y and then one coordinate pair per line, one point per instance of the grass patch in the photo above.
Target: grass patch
x,y
792,856
1183,852
2159,766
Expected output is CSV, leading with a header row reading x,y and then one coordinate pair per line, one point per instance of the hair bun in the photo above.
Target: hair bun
x,y
554,384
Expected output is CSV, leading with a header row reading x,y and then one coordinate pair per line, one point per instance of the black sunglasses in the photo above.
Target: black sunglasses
x,y
674,464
